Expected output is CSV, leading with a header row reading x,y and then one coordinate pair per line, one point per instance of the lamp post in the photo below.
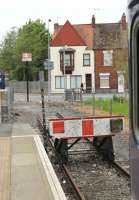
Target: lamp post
x,y
64,67
49,73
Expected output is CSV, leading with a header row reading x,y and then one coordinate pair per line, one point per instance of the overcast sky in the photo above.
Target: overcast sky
x,y
15,13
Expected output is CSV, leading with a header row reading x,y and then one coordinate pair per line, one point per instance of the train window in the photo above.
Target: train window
x,y
135,77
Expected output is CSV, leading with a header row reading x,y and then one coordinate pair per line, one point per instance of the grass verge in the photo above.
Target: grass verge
x,y
119,108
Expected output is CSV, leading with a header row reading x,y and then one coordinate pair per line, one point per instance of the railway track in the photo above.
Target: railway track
x,y
121,166
75,189
77,193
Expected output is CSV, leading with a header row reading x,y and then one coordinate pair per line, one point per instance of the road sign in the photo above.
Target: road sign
x,y
49,65
26,57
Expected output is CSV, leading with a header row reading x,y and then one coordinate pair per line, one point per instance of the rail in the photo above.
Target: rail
x,y
77,192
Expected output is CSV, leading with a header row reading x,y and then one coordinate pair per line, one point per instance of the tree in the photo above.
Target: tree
x,y
32,37
7,51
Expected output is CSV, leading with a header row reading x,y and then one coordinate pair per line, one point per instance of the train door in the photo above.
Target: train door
x,y
134,95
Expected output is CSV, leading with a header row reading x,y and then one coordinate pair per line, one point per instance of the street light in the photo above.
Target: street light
x,y
49,74
64,66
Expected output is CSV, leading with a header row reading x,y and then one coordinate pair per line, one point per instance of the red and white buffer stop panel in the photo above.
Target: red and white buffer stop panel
x,y
85,127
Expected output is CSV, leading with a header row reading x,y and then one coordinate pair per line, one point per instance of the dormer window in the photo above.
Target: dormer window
x,y
67,60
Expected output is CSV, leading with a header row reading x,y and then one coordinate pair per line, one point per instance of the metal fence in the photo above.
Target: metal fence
x,y
34,86
73,95
6,104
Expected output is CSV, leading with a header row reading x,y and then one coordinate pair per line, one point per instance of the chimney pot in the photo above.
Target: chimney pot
x,y
123,22
56,26
93,21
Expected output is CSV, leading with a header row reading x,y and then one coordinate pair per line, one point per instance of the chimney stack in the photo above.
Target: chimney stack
x,y
93,21
123,22
56,26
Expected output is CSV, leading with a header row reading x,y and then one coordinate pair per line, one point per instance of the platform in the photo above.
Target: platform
x,y
25,170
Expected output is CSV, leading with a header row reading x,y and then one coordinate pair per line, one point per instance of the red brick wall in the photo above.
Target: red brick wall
x,y
98,58
100,68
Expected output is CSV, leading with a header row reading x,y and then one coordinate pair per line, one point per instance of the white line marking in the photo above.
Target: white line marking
x,y
21,136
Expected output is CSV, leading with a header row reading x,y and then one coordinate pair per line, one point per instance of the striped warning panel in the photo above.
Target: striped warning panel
x,y
74,128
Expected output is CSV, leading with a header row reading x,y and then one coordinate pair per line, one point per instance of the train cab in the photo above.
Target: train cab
x,y
133,20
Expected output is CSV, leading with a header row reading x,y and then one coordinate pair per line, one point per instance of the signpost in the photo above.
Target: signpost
x,y
48,65
27,57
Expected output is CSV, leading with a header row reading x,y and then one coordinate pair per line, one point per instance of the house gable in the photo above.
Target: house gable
x,y
68,36
110,37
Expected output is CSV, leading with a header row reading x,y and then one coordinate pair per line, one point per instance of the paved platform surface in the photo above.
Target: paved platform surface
x,y
25,170
5,130
26,174
5,168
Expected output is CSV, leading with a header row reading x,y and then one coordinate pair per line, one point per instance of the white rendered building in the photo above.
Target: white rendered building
x,y
73,57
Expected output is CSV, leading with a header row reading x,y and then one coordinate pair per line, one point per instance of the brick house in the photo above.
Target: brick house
x,y
73,57
110,49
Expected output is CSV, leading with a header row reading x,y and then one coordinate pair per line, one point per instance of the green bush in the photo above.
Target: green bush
x,y
115,98
119,99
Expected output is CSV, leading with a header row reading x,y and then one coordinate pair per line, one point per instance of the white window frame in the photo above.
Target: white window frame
x,y
67,59
75,76
60,77
105,76
108,58
86,59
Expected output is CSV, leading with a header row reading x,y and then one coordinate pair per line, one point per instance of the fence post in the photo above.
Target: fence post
x,y
93,104
45,134
81,95
81,102
110,107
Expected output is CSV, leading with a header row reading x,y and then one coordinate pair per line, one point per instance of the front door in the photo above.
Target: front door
x,y
88,79
121,83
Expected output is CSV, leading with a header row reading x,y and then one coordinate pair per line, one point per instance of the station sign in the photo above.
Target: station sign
x,y
26,57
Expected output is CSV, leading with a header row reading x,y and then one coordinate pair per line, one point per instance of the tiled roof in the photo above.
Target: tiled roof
x,y
67,35
78,35
109,35
86,32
